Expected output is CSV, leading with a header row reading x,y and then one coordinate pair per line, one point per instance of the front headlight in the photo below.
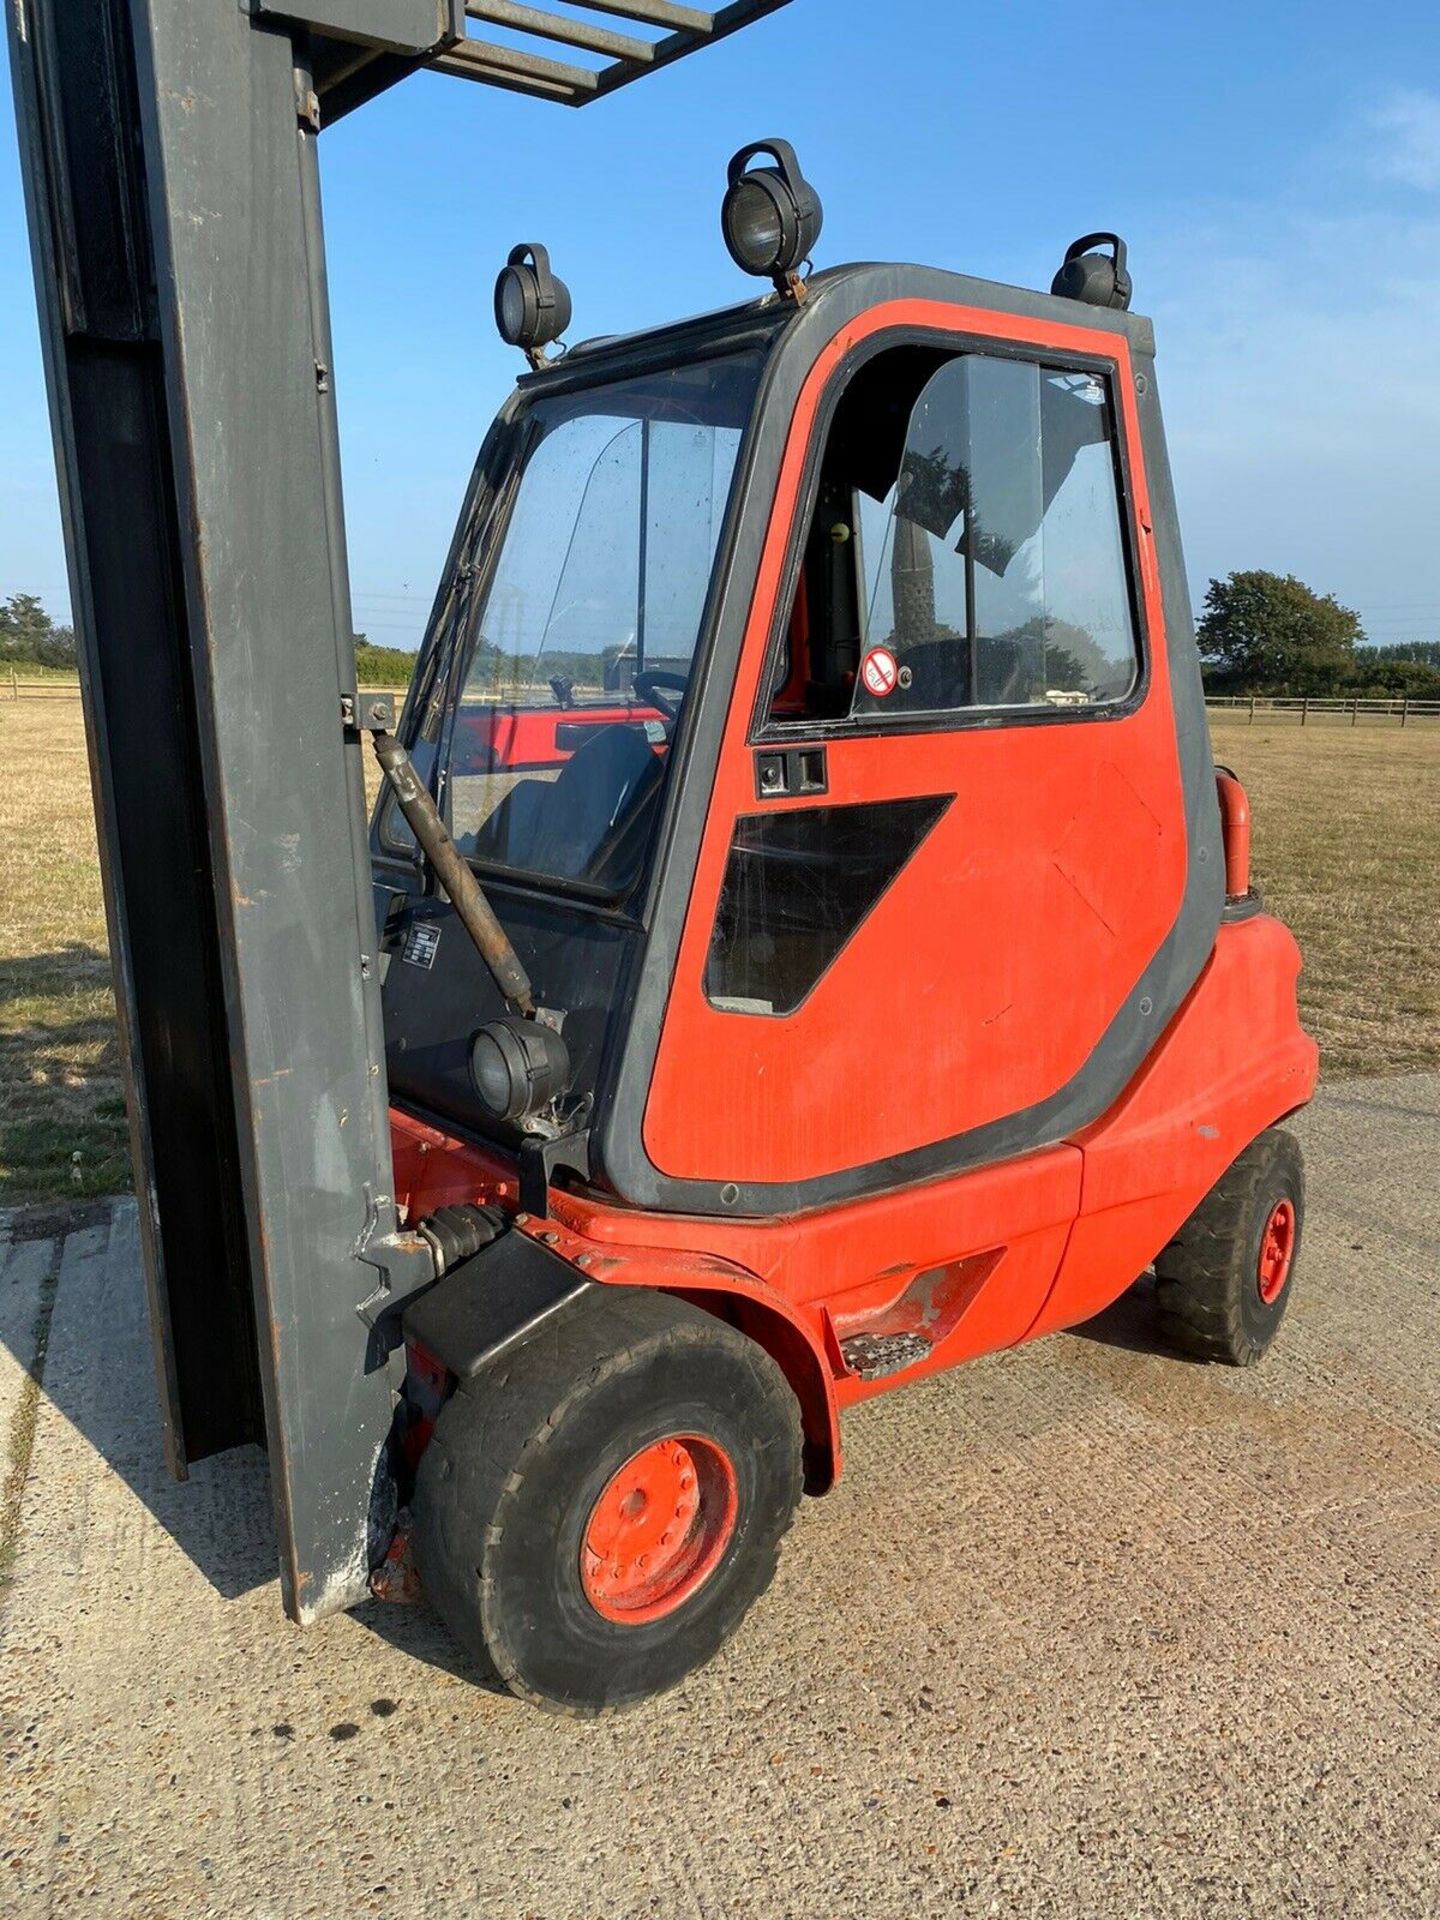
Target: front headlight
x,y
517,1067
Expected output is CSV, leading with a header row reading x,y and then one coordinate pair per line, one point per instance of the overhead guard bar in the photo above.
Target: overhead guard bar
x,y
540,74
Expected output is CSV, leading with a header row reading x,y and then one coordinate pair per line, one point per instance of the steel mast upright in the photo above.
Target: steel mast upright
x,y
169,156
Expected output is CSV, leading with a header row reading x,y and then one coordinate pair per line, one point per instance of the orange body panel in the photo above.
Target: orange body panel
x,y
1234,1061
1066,1229
1048,830
1235,827
513,739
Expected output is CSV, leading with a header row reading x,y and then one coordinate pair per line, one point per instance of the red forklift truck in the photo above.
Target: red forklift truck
x,y
810,943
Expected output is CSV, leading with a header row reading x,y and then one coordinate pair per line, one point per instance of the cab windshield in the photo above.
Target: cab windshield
x,y
578,645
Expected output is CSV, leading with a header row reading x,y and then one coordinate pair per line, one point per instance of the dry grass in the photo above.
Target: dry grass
x,y
1347,848
60,1086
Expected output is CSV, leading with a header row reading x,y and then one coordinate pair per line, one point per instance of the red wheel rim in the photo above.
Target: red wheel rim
x,y
1277,1250
659,1529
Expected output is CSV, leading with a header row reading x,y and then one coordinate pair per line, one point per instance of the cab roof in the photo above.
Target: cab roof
x,y
840,292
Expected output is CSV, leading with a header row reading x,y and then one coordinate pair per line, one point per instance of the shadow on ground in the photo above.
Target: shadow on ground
x,y
99,1376
1130,1325
89,1352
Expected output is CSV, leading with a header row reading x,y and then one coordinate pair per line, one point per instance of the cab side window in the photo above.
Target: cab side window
x,y
966,550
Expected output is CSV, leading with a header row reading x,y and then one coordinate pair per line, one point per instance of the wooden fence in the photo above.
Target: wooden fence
x,y
1286,710
61,687
1298,710
67,687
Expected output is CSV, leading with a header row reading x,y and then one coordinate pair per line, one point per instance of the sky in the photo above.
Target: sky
x,y
1274,168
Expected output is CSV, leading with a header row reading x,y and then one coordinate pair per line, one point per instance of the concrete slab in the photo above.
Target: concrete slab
x,y
27,1268
1087,1630
27,1276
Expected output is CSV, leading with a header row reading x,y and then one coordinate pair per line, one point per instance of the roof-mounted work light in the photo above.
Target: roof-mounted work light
x,y
771,216
532,307
1097,279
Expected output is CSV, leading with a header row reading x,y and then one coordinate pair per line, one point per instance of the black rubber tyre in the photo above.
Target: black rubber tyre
x,y
519,1459
1208,1280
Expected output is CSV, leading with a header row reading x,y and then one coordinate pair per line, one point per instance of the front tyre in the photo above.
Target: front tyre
x,y
595,1516
1223,1283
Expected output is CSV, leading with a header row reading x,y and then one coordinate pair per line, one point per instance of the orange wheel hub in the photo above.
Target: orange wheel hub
x,y
659,1529
1277,1250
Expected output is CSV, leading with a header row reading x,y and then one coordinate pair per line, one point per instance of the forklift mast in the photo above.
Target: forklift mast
x,y
171,174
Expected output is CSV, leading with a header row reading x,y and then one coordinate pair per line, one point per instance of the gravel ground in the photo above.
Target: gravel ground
x,y
1087,1630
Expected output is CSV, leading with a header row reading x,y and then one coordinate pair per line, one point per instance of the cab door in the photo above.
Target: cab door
x,y
932,917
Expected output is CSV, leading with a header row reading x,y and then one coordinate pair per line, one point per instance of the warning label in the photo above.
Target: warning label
x,y
422,943
878,672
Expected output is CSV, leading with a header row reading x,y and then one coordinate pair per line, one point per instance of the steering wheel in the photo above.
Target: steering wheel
x,y
648,684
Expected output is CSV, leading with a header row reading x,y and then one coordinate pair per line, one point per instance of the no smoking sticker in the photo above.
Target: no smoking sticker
x,y
878,672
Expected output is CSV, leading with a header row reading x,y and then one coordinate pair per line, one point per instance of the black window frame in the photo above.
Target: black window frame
x,y
766,729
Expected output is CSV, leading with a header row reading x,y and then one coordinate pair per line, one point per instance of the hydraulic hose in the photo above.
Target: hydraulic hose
x,y
452,870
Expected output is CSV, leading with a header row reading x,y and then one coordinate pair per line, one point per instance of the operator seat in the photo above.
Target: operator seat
x,y
561,826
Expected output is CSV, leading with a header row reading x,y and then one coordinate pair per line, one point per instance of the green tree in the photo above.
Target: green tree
x,y
1427,652
1387,678
1410,667
1269,633
30,638
382,666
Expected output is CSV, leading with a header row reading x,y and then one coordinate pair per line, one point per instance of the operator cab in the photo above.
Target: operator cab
x,y
793,665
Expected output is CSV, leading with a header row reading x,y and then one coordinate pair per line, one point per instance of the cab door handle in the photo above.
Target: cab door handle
x,y
782,772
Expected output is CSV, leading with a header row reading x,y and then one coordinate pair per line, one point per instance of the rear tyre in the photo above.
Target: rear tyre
x,y
595,1516
1223,1282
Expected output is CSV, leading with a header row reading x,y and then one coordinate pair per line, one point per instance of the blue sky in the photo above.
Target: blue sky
x,y
1275,169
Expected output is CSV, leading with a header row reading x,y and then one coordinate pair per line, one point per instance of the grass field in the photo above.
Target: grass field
x,y
1347,848
60,1088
